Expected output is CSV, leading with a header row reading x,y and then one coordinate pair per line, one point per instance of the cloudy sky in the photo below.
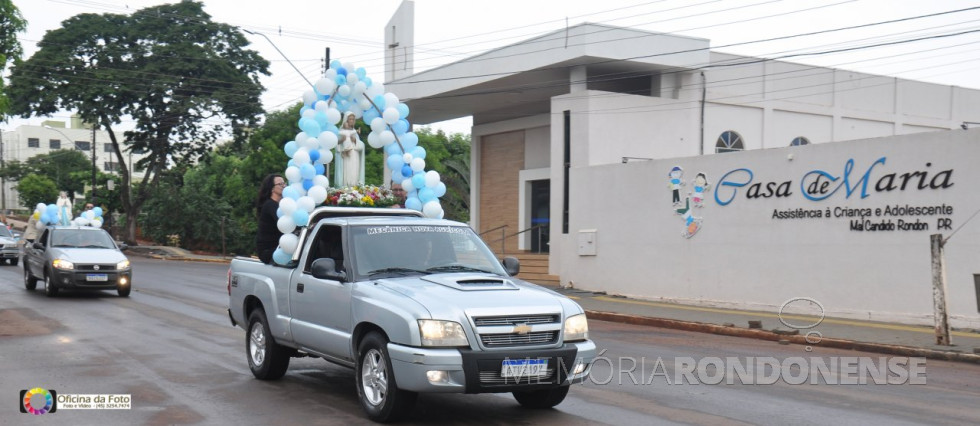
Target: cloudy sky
x,y
941,49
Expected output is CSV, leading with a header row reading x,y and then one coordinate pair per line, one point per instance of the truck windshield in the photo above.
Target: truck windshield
x,y
385,251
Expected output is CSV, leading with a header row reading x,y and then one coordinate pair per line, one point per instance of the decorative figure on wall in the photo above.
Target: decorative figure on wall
x,y
350,148
675,184
692,224
701,185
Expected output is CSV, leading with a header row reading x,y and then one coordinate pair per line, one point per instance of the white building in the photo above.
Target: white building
x,y
27,141
580,128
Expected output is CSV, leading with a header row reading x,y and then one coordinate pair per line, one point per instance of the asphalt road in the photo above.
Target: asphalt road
x,y
171,347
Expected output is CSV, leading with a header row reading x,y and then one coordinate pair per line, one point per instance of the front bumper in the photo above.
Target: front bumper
x,y
10,253
468,371
83,280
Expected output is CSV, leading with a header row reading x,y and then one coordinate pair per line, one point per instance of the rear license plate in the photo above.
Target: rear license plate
x,y
520,368
97,277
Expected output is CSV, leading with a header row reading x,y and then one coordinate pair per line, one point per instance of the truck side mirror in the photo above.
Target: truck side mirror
x,y
38,245
512,266
326,269
123,246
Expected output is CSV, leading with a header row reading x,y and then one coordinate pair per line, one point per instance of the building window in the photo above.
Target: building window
x,y
799,141
33,143
54,143
107,147
729,141
83,145
110,166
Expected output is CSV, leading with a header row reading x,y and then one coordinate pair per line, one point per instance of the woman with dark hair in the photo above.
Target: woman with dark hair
x,y
267,237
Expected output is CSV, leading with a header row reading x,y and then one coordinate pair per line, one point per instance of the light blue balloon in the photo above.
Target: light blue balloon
x,y
290,192
97,211
321,118
303,110
307,171
370,115
397,176
301,217
413,203
426,194
335,64
400,127
367,81
307,184
395,162
314,155
290,148
393,149
290,163
379,102
279,212
319,170
418,180
409,140
341,79
361,72
309,126
402,110
280,256
440,189
332,129
418,152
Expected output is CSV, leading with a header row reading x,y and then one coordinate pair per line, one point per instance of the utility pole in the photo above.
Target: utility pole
x,y
326,60
939,290
93,165
3,183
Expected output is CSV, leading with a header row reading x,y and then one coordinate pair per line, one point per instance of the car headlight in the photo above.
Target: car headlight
x,y
576,328
62,264
123,265
442,333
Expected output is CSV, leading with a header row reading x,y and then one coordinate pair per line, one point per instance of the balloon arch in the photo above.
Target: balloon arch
x,y
346,89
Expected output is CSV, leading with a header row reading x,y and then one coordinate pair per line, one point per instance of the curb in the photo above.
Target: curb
x,y
701,327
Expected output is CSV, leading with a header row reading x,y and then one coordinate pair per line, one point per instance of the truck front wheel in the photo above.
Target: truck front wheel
x,y
543,398
376,386
266,358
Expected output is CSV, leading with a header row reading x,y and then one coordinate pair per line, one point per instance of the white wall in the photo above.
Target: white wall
x,y
743,257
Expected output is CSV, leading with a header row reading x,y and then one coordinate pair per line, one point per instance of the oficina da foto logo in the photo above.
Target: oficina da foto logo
x,y
38,401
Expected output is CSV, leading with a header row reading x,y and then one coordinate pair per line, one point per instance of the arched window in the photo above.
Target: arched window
x,y
799,141
729,141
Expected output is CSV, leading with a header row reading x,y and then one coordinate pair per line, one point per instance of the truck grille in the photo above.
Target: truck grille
x,y
106,267
493,378
514,320
513,339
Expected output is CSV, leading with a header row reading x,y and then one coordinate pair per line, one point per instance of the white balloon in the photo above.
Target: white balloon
x,y
330,74
302,156
39,225
298,186
344,91
309,113
311,144
374,140
432,178
301,137
292,174
321,106
318,194
363,102
40,206
288,243
356,110
391,115
325,86
309,97
407,158
328,139
305,203
387,137
418,165
349,66
333,116
408,186
321,180
378,124
352,79
391,100
286,224
359,88
326,156
287,205
432,209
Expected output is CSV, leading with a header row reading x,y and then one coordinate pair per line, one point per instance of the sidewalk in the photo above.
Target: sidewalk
x,y
869,336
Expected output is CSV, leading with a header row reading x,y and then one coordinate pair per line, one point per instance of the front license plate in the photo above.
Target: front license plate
x,y
519,368
97,277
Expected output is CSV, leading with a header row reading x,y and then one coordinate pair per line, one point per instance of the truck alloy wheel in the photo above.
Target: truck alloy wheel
x,y
376,386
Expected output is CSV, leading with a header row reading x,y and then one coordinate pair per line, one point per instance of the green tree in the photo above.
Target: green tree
x,y
169,68
34,189
67,169
11,23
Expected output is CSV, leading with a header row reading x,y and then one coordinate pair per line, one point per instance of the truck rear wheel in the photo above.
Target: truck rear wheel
x,y
376,386
542,398
267,359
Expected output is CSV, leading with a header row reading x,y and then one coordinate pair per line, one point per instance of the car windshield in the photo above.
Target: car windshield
x,y
386,251
82,238
4,232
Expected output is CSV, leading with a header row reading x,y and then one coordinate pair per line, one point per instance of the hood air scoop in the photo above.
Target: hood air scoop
x,y
469,282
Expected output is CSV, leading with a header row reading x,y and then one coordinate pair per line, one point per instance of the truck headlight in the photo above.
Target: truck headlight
x,y
122,265
576,328
62,264
442,333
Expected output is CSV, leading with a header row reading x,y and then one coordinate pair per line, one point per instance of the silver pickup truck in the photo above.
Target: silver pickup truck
x,y
413,305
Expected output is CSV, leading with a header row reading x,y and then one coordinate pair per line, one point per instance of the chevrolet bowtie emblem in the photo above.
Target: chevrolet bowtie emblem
x,y
96,267
522,328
